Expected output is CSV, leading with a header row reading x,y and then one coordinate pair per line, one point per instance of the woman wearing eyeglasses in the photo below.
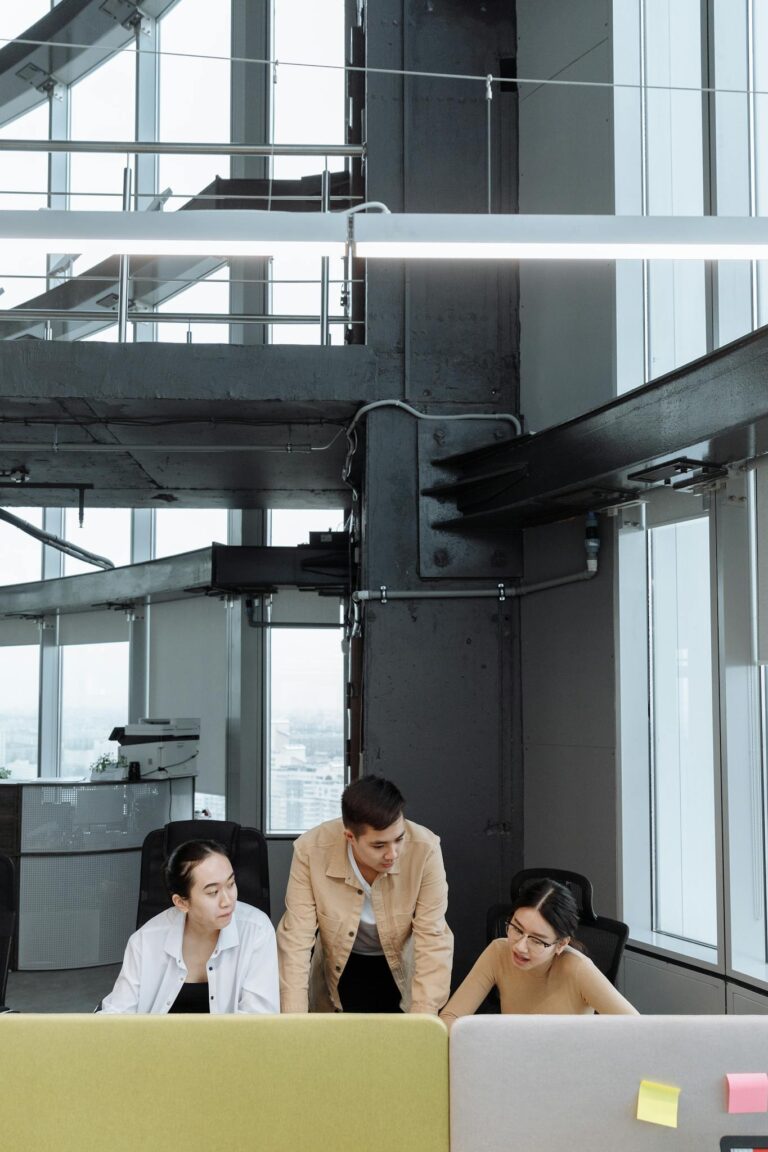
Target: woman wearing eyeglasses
x,y
536,968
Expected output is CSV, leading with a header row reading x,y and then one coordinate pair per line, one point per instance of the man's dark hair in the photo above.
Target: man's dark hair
x,y
371,801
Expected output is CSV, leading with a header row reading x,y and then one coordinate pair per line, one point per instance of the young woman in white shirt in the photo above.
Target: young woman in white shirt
x,y
208,953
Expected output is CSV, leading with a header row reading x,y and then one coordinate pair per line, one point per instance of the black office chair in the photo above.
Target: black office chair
x,y
246,848
7,922
602,938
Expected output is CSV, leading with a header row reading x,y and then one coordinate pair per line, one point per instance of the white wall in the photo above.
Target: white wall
x,y
188,676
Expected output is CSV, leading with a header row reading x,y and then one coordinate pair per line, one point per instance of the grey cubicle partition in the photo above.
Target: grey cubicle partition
x,y
571,1082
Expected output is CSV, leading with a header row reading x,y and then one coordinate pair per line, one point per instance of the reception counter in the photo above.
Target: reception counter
x,y
76,846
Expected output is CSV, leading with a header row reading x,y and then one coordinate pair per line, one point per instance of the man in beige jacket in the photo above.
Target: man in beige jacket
x,y
364,927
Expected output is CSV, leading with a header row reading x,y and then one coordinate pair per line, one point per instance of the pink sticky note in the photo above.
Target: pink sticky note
x,y
747,1091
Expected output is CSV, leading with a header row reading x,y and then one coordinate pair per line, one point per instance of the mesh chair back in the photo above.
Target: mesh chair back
x,y
579,887
603,942
246,848
8,904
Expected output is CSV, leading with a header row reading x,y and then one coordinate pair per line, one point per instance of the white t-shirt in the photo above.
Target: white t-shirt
x,y
367,941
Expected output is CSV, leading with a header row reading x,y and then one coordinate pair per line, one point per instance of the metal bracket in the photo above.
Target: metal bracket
x,y
124,12
502,593
41,80
383,590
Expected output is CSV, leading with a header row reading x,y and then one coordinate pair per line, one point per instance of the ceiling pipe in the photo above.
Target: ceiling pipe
x,y
56,541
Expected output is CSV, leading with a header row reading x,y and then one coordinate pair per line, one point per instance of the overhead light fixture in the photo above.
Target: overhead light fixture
x,y
215,232
404,236
532,237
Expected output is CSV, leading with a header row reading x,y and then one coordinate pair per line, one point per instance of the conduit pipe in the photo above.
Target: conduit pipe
x,y
57,542
502,591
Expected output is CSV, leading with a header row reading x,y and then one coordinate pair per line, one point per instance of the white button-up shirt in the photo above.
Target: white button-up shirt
x,y
242,971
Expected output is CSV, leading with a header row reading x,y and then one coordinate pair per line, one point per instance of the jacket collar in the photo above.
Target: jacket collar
x,y
338,865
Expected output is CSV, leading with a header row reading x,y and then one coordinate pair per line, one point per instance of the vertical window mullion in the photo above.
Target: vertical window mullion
x,y
50,657
651,740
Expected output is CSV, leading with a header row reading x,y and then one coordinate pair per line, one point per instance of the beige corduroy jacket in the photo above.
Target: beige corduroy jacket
x,y
323,904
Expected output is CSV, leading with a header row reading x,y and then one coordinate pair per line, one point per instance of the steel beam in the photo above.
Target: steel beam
x,y
714,410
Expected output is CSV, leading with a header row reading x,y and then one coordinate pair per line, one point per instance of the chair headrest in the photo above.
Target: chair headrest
x,y
225,832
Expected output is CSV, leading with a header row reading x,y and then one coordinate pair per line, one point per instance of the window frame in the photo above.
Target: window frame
x,y
634,705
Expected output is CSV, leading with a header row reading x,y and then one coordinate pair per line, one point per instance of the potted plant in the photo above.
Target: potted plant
x,y
106,767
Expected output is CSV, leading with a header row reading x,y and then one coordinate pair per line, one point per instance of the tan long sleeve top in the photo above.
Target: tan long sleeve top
x,y
570,985
323,902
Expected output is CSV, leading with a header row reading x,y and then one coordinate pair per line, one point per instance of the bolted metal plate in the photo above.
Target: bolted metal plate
x,y
481,552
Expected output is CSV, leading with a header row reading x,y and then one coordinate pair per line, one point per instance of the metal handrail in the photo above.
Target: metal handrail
x,y
179,148
139,316
138,147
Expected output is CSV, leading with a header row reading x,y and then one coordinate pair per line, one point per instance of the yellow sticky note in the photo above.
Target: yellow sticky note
x,y
657,1103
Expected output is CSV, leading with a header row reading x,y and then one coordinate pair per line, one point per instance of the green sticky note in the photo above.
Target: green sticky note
x,y
657,1103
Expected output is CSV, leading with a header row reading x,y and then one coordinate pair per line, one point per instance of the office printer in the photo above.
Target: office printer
x,y
160,747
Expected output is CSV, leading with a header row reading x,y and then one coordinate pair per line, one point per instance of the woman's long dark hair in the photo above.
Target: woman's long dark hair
x,y
183,860
554,902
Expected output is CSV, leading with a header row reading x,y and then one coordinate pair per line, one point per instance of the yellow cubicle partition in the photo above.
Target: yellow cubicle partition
x,y
201,1084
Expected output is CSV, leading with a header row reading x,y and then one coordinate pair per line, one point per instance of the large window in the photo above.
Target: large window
x,y
306,727
194,93
310,34
20,553
19,683
211,296
23,187
682,739
94,698
669,743
689,113
103,108
105,532
18,15
306,692
187,529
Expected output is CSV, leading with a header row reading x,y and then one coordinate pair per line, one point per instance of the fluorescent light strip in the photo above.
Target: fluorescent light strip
x,y
529,237
216,232
229,232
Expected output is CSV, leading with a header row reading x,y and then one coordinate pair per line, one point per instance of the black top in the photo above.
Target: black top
x,y
192,998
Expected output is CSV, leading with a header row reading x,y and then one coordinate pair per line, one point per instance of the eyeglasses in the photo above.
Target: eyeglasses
x,y
535,944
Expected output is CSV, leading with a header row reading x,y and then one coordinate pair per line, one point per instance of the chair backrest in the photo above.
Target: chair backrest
x,y
603,940
7,920
579,887
246,848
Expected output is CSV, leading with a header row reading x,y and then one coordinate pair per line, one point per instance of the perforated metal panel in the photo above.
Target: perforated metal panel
x,y
99,817
80,863
76,911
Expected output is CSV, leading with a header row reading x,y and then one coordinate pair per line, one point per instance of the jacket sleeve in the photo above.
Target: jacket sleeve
x,y
296,936
432,939
124,997
260,992
598,992
473,989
